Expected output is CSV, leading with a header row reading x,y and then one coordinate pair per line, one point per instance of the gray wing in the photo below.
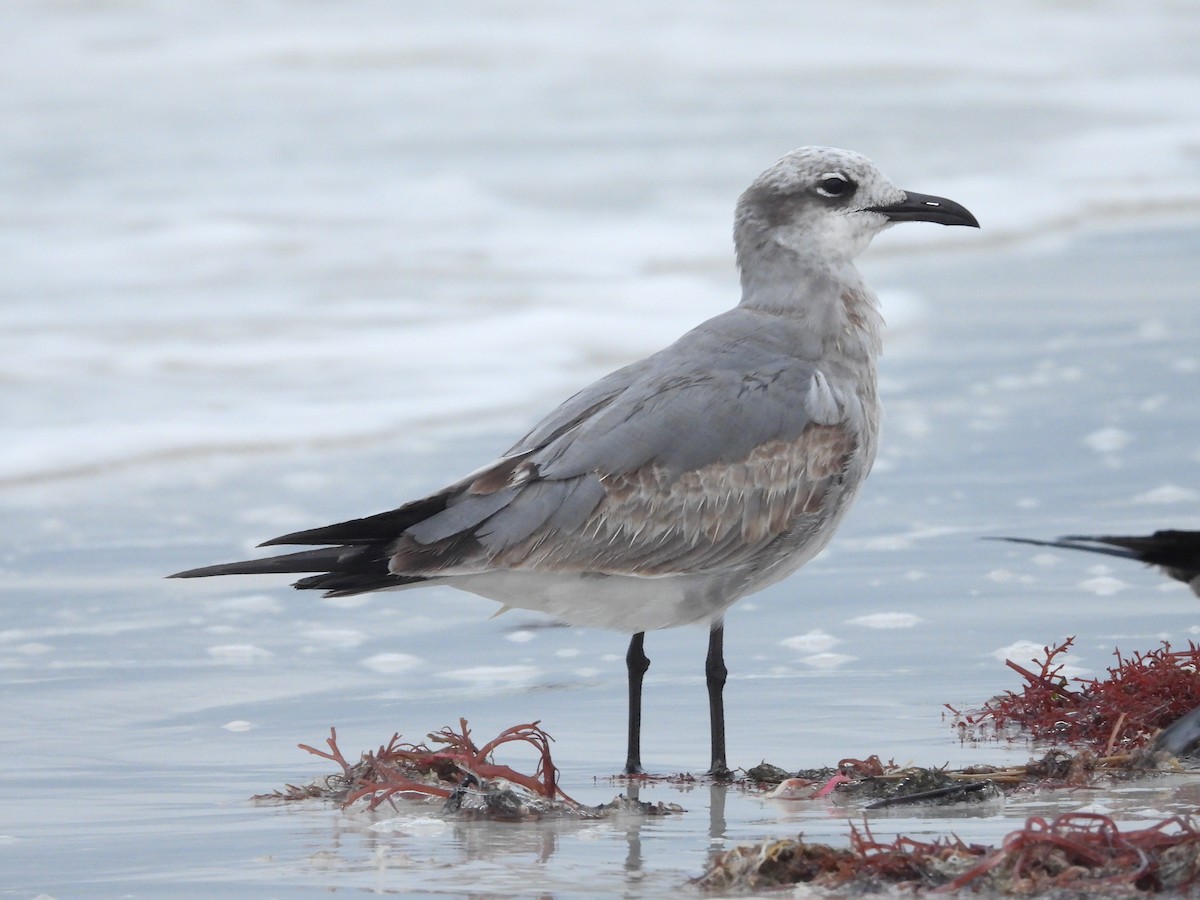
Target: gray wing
x,y
697,457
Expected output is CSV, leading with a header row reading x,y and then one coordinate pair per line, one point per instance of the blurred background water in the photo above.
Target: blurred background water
x,y
272,264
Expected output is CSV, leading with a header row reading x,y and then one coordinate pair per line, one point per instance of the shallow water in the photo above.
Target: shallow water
x,y
269,266
143,713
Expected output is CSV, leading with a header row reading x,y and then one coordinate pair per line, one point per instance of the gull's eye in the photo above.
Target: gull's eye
x,y
835,184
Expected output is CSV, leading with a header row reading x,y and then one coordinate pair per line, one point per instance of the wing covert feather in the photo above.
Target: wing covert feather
x,y
648,520
700,455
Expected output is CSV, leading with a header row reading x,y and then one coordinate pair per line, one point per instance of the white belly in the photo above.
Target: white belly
x,y
620,602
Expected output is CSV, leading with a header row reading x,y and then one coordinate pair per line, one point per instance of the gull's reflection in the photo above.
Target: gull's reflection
x,y
408,845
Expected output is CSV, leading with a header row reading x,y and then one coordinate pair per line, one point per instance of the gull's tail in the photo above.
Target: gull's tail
x,y
358,563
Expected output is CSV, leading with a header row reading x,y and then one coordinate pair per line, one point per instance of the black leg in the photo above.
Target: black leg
x,y
637,663
715,672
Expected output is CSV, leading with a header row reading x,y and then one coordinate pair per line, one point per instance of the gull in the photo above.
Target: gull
x,y
671,488
1175,553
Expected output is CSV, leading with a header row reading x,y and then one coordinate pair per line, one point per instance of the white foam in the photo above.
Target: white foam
x,y
391,663
1103,585
246,604
341,638
886,620
1020,650
1167,493
814,641
827,660
239,653
494,676
387,240
1108,440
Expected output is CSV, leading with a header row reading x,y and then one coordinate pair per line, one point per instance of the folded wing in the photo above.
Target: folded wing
x,y
694,458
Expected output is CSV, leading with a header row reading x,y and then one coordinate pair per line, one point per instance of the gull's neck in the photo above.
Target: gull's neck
x,y
778,279
827,297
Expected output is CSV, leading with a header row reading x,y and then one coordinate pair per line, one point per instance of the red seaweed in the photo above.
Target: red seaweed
x,y
1142,693
1081,852
399,768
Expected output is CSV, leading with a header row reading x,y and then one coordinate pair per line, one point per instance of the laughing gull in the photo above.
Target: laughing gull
x,y
1176,553
673,487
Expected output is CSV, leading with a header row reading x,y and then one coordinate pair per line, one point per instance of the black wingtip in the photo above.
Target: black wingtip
x,y
1017,540
202,572
379,528
323,560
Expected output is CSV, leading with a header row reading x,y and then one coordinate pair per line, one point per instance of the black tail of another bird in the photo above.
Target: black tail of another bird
x,y
1175,549
1092,545
1175,552
1169,549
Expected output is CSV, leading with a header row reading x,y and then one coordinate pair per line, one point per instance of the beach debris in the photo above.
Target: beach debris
x,y
893,785
1121,713
1077,852
806,784
1181,737
875,784
461,774
916,786
765,773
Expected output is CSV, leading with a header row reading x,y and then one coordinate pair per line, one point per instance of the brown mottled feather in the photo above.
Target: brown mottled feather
x,y
723,514
508,472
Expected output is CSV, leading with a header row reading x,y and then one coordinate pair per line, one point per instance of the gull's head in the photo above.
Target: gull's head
x,y
826,204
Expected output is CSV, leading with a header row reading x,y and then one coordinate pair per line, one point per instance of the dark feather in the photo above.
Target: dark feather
x,y
1177,553
344,570
345,584
1174,549
1069,544
385,526
305,561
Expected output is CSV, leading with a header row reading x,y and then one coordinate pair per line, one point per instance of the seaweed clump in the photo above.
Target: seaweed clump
x,y
1082,853
1142,693
459,772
